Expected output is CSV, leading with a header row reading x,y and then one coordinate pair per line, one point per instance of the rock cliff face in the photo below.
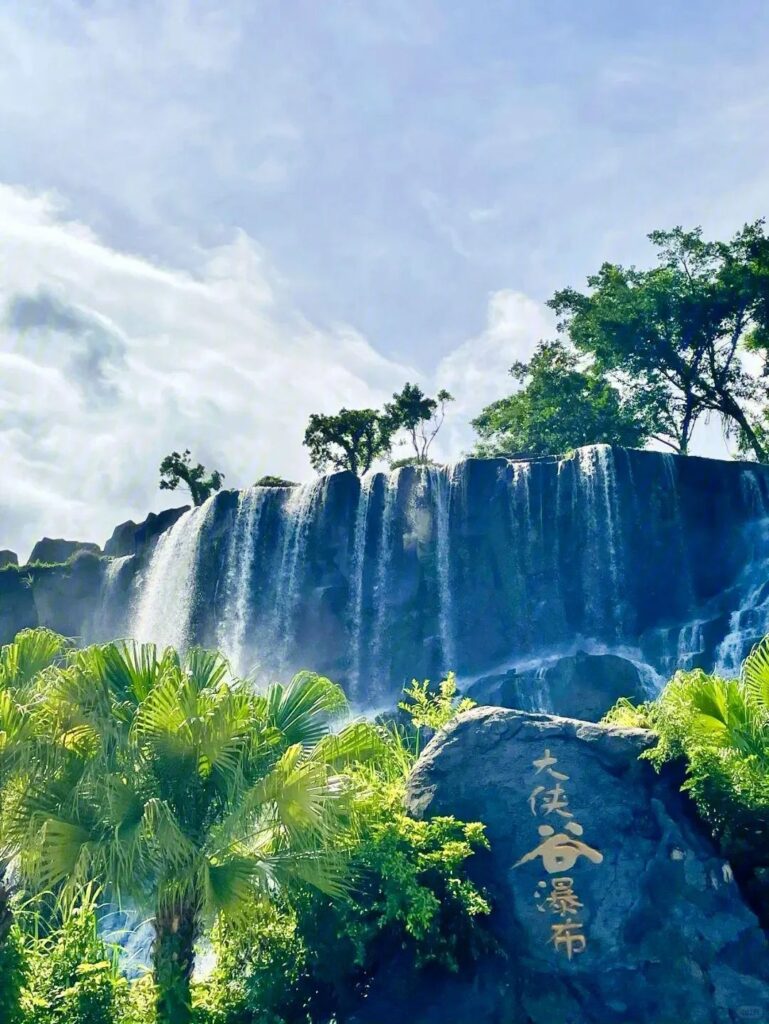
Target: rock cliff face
x,y
610,904
552,585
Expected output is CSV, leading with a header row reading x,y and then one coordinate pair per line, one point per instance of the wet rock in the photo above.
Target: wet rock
x,y
581,686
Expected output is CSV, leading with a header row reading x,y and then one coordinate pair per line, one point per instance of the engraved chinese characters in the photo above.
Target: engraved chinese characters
x,y
559,852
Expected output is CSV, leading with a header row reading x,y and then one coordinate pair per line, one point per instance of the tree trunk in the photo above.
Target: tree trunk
x,y
173,960
733,411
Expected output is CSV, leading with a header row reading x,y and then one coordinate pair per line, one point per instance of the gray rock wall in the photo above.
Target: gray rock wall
x,y
554,585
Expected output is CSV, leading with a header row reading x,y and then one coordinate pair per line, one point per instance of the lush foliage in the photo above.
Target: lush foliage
x,y
274,481
310,958
355,438
719,728
166,782
71,977
434,709
177,468
673,335
419,416
352,439
560,406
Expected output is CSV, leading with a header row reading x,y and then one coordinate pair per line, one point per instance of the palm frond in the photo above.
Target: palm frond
x,y
755,675
206,668
31,651
303,709
357,743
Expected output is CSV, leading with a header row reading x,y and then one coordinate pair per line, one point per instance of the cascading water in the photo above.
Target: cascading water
x,y
108,619
384,565
480,567
442,485
357,581
300,509
749,622
239,577
165,602
601,579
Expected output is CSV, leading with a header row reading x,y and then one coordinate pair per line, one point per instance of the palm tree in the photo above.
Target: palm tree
x,y
181,789
22,663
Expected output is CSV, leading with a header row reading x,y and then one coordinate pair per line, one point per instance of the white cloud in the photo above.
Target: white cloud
x,y
217,361
211,361
476,372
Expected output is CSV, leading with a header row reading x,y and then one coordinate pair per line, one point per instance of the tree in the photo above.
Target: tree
x,y
22,663
673,335
559,407
420,416
177,468
352,439
185,791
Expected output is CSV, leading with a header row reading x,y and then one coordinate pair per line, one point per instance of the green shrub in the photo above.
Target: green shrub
x,y
274,481
718,729
13,975
311,958
72,977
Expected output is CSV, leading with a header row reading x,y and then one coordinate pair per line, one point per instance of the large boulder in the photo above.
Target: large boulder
x,y
56,550
611,904
8,557
580,685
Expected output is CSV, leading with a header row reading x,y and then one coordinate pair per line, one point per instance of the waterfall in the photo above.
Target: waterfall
x,y
298,515
600,555
166,598
749,622
605,457
442,481
460,567
519,506
239,575
384,565
107,621
357,570
670,467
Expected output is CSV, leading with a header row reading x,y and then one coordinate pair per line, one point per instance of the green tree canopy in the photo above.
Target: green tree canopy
x,y
673,334
420,416
177,468
559,407
352,439
181,788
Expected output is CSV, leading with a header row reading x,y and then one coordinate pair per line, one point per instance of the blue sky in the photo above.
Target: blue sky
x,y
218,217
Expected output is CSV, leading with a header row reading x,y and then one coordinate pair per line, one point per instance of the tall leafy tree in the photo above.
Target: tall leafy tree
x,y
177,468
673,335
560,406
419,416
352,439
183,790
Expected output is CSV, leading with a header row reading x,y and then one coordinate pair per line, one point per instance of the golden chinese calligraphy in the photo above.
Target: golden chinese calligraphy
x,y
559,852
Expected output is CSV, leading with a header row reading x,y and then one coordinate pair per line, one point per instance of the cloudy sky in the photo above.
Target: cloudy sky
x,y
218,217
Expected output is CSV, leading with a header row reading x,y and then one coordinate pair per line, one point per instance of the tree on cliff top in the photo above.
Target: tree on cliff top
x,y
352,439
420,416
560,406
673,334
177,468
